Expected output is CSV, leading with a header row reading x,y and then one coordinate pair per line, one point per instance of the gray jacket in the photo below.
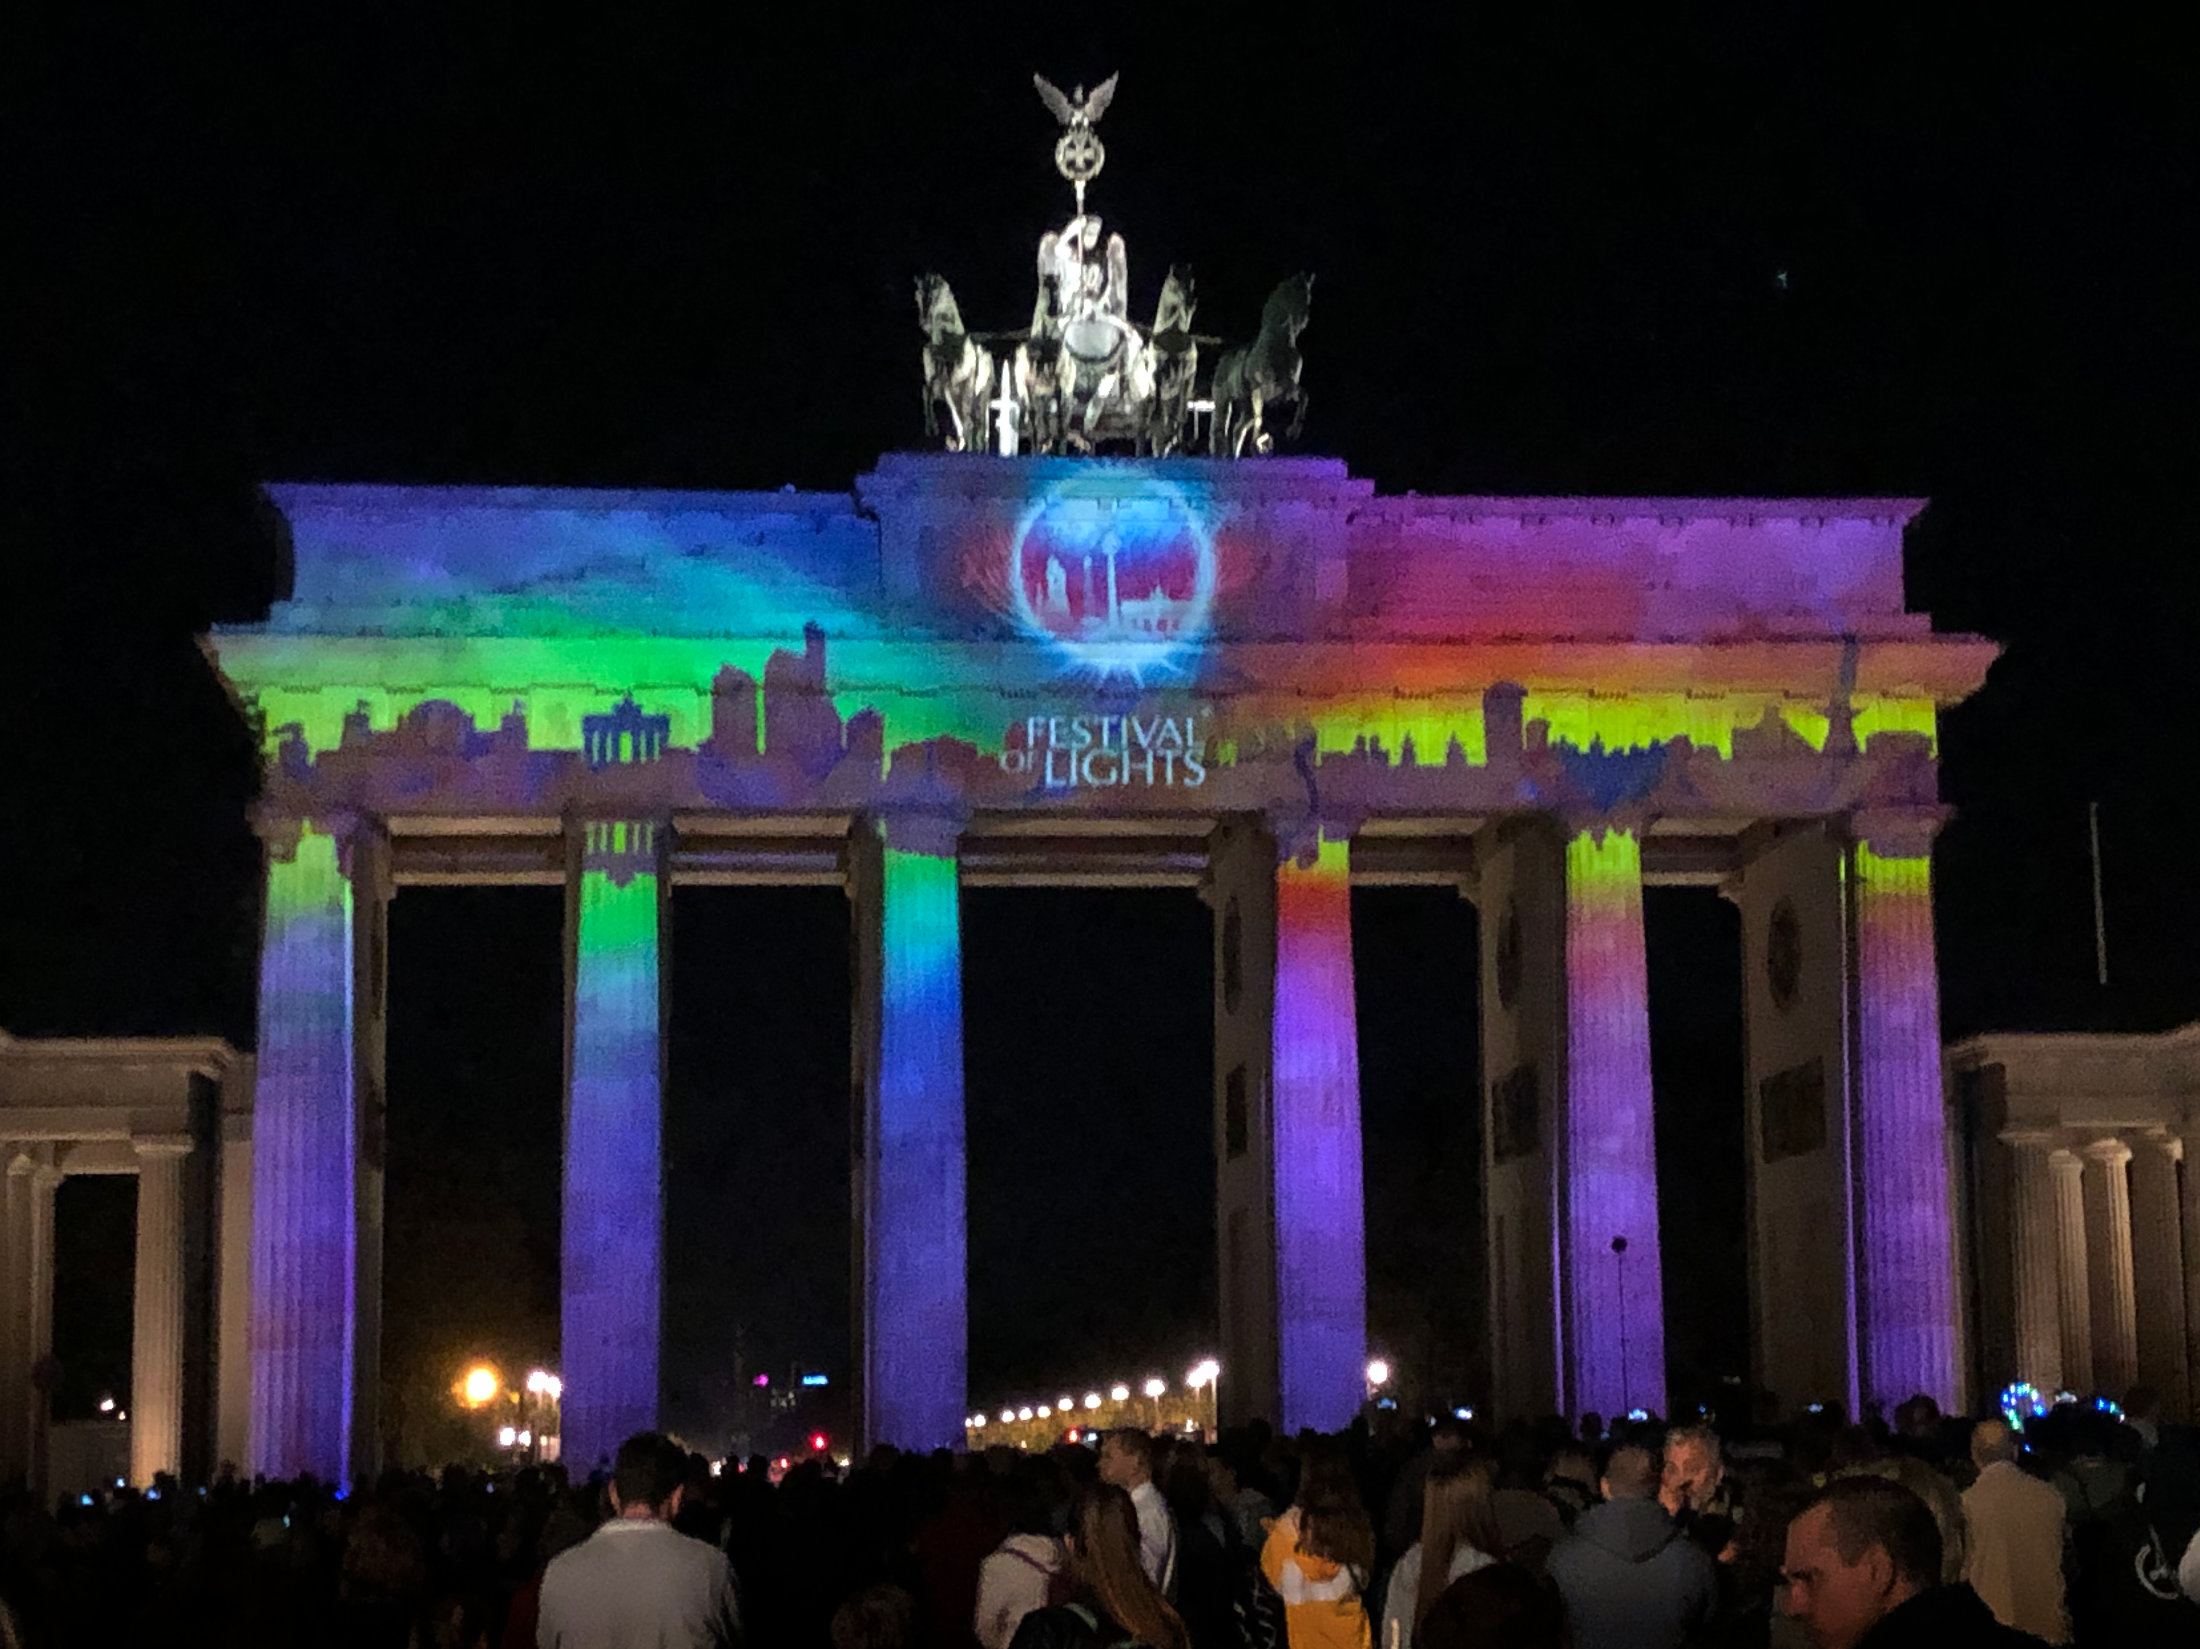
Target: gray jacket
x,y
639,1584
1631,1580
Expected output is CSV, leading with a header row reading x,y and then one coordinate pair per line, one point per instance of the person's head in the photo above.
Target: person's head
x,y
1864,1546
1126,1458
1333,1521
1631,1473
1502,1606
648,1476
1457,1510
1104,1563
1449,1436
1994,1442
1917,1418
878,1617
1693,1466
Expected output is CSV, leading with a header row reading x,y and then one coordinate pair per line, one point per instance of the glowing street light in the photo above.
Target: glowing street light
x,y
1065,1404
1023,1414
1156,1386
1122,1394
1008,1417
542,1383
1092,1399
1045,1409
1378,1376
1206,1375
507,1436
479,1386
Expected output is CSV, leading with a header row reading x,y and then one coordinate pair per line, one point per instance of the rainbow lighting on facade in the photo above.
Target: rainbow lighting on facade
x,y
1022,669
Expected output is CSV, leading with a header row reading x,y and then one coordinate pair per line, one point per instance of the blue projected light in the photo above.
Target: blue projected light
x,y
1120,582
815,1380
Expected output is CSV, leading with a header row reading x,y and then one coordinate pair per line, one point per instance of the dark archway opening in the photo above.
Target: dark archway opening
x,y
1088,1060
94,1287
1693,940
756,1151
476,1075
1415,961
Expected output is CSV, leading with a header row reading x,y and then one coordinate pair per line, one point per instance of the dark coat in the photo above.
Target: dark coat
x,y
1947,1617
1631,1580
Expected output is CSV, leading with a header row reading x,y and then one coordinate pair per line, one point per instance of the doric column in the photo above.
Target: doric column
x,y
915,1281
611,1276
1321,1277
2108,1242
2075,1293
2189,1219
2035,1271
45,1180
1240,887
1613,1323
15,1318
156,1344
304,1277
1910,1314
2158,1267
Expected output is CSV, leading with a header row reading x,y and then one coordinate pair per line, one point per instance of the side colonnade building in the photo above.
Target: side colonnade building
x,y
1259,678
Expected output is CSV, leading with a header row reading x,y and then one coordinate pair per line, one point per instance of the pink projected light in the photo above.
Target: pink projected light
x,y
1614,1309
1321,1282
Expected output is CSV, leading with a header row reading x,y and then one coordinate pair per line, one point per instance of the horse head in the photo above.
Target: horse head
x,y
1178,299
936,311
1287,308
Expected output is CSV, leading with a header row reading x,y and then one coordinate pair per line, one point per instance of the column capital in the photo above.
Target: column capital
x,y
1898,832
2031,1139
161,1145
2110,1152
2066,1161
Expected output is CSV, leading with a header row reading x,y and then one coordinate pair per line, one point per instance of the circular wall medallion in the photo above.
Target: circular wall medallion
x,y
1784,954
1115,570
1508,957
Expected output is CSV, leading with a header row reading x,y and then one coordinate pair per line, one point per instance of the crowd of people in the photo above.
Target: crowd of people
x,y
2084,1528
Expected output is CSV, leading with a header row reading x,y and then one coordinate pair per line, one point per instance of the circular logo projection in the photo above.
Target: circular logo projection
x,y
1120,577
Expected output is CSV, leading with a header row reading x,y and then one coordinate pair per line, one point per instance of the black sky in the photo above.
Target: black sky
x,y
1754,249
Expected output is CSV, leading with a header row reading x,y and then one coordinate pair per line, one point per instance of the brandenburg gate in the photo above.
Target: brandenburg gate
x,y
1261,678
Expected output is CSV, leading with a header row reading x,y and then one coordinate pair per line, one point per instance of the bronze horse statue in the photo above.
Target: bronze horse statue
x,y
1254,377
958,370
1173,350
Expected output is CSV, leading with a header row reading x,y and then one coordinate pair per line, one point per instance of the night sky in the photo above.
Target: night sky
x,y
1745,253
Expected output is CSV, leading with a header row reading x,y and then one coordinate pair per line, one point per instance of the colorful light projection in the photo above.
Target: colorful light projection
x,y
305,1133
612,1235
1908,1279
1321,1269
915,1341
1114,571
1614,1296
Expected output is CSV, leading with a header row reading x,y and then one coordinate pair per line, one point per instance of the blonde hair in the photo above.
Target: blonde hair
x,y
1104,1561
1457,1510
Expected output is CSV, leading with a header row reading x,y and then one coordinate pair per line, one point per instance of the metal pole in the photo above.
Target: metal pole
x,y
2100,914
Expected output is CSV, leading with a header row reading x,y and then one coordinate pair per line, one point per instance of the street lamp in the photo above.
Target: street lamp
x,y
1204,1375
479,1385
1154,1388
1378,1376
1092,1399
1121,1394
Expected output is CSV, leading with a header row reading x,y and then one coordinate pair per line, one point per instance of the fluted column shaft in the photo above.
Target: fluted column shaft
x,y
45,1181
611,1275
1908,1259
156,1344
916,1307
15,1320
2076,1292
2036,1267
1321,1261
2158,1268
2108,1244
303,1196
1614,1298
2189,1219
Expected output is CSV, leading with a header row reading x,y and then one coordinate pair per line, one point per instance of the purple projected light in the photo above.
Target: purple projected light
x,y
1910,1310
303,1129
916,1346
1321,1277
1614,1311
613,1231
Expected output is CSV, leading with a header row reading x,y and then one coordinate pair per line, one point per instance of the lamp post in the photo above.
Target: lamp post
x,y
1378,1376
1154,1388
1203,1377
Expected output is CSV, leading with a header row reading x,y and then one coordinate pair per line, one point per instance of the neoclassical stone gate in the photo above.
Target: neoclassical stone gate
x,y
1259,678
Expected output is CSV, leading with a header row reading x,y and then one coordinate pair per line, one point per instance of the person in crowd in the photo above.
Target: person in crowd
x,y
637,1580
1029,1569
1500,1606
1863,1572
1459,1534
1320,1555
1126,1461
1630,1578
2018,1530
1940,1497
1570,1482
1209,1560
1112,1601
1402,1517
878,1617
